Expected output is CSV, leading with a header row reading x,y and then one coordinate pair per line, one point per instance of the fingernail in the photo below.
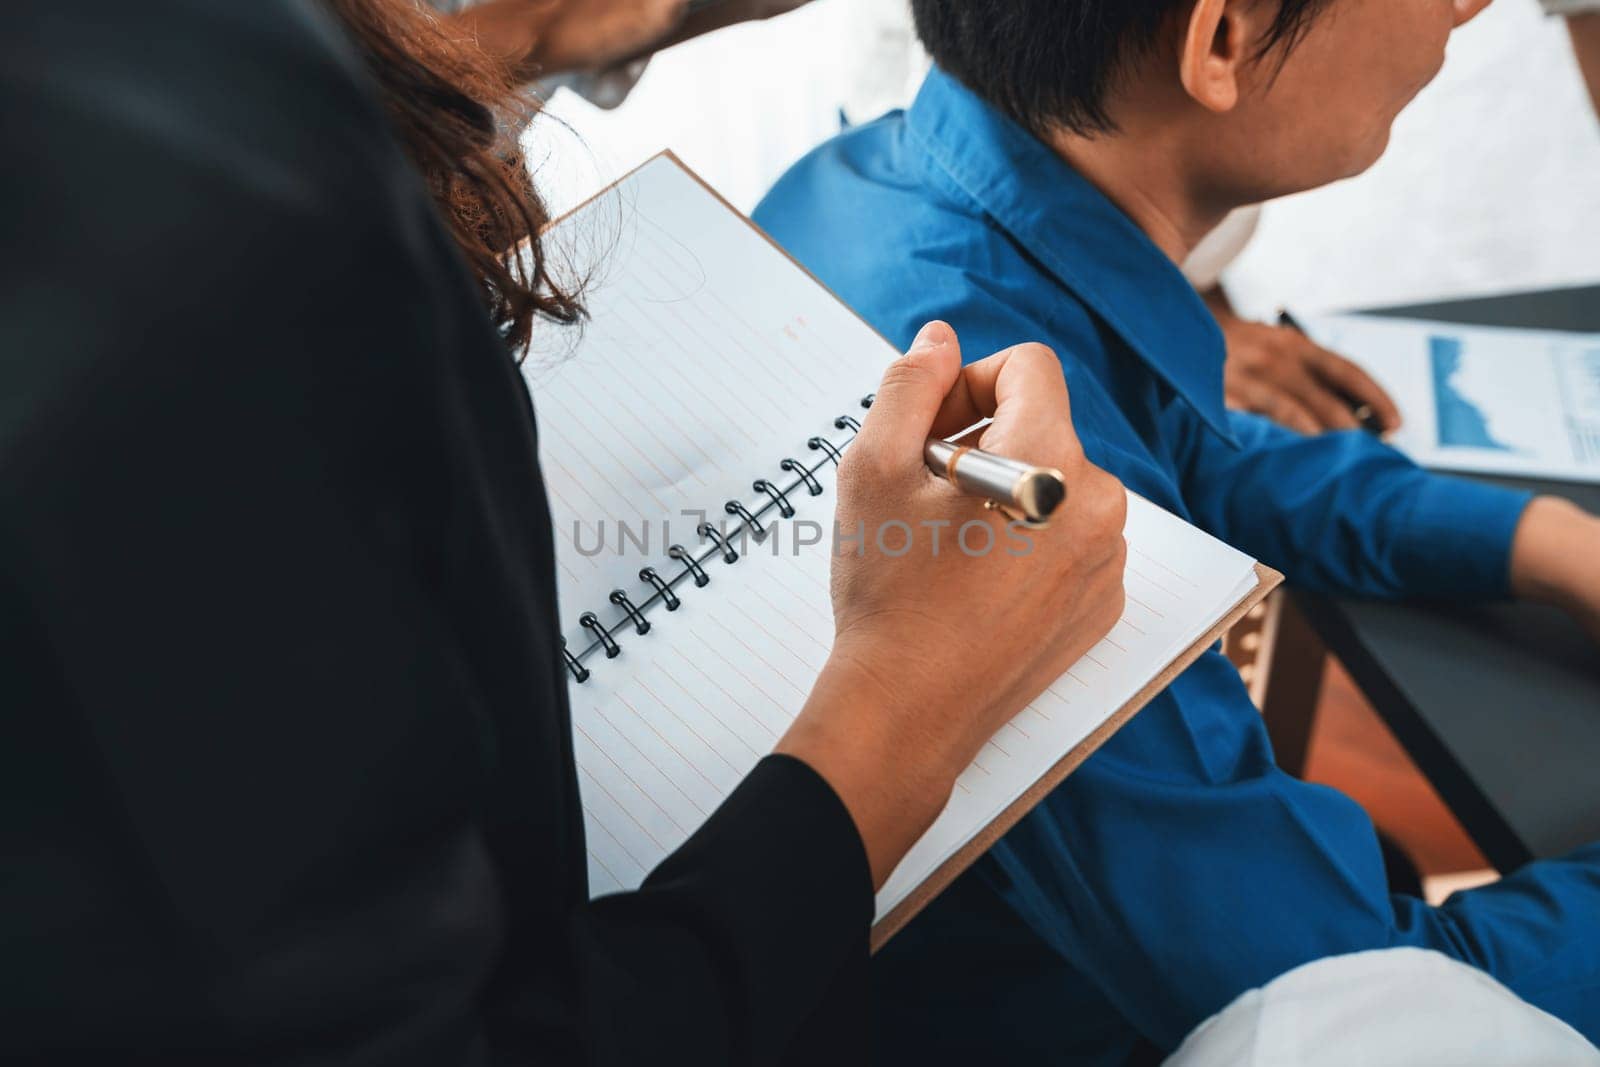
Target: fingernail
x,y
935,334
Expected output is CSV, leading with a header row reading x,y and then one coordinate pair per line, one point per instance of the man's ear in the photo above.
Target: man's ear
x,y
1215,48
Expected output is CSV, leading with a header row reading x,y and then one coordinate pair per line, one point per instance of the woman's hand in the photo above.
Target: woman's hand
x,y
949,622
1283,374
539,37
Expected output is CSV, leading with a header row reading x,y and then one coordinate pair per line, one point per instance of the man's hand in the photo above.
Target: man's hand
x,y
540,37
1555,559
1283,374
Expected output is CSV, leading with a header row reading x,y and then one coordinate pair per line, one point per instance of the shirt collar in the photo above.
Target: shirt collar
x,y
1080,236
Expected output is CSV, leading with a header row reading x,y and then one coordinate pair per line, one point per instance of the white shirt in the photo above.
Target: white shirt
x,y
1401,1007
1217,251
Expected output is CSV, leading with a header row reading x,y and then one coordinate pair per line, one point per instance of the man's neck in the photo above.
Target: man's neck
x,y
1142,176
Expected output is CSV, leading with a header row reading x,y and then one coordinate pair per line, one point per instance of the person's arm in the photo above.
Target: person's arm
x,y
1344,512
276,562
1555,559
1274,370
910,683
1181,866
1177,870
730,941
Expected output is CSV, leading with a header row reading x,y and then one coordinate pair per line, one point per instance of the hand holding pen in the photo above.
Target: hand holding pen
x,y
1360,392
1281,373
949,618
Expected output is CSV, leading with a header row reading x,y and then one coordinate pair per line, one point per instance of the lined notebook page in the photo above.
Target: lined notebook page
x,y
667,730
710,357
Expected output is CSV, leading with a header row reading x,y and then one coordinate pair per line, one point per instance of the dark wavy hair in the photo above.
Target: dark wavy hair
x,y
459,114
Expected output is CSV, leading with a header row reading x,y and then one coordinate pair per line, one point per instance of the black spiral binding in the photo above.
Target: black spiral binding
x,y
685,557
737,509
662,588
591,622
709,532
803,472
641,625
580,673
775,497
827,446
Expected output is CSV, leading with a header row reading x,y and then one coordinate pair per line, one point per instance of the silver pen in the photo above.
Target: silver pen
x,y
1026,493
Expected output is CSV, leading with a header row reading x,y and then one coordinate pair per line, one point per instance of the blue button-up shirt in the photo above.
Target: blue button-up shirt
x,y
1179,867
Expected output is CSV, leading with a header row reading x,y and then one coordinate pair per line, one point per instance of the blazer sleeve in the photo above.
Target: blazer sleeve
x,y
747,945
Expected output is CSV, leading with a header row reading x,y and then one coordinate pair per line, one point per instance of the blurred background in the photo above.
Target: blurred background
x,y
1492,181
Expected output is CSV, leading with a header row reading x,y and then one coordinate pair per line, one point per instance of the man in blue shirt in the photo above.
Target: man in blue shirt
x,y
1065,155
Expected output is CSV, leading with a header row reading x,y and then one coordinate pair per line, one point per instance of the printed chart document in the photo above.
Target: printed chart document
x,y
1480,398
689,439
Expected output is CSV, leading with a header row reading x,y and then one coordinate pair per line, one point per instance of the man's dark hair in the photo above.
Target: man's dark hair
x,y
1051,64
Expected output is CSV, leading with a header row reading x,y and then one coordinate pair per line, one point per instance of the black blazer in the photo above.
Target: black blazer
x,y
285,774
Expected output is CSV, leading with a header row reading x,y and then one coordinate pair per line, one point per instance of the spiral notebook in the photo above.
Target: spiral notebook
x,y
688,438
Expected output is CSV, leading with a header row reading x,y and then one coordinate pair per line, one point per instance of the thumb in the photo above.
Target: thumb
x,y
896,427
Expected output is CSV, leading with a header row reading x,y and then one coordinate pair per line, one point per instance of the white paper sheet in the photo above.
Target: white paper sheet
x,y
1474,398
711,358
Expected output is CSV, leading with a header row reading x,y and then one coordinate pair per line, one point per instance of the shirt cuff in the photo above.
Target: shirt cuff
x,y
1457,544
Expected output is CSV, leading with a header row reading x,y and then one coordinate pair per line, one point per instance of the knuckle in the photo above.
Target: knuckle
x,y
1119,503
1116,602
1038,360
1104,571
1107,506
1036,354
1119,555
